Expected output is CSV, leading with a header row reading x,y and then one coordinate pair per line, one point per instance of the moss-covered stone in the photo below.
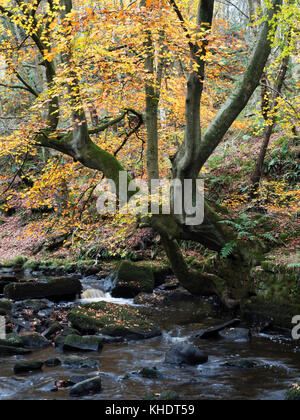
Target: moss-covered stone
x,y
57,289
26,367
262,310
10,351
131,279
114,320
277,282
34,341
5,306
160,271
150,373
76,342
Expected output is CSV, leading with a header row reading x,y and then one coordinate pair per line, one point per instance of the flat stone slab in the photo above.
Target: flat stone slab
x,y
214,332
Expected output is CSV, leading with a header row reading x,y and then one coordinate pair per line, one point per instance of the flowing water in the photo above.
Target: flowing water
x,y
277,357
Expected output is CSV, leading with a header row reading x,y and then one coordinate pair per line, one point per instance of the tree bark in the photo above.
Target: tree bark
x,y
258,171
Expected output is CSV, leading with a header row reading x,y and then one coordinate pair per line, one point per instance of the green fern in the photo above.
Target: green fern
x,y
267,236
228,249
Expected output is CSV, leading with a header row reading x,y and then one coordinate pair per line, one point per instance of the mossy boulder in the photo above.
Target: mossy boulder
x,y
5,306
6,279
78,343
277,282
150,373
260,310
80,363
11,351
113,320
58,289
26,367
185,354
130,280
293,394
34,341
160,271
87,387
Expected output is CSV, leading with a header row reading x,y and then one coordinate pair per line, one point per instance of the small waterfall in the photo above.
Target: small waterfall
x,y
93,294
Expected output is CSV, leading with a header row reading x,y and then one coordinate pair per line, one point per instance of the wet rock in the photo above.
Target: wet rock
x,y
26,367
172,283
236,334
6,279
243,364
35,305
185,354
150,373
5,306
80,363
34,341
59,289
131,279
20,324
52,362
52,330
90,386
214,332
14,340
293,394
59,340
76,379
91,271
11,351
87,343
113,320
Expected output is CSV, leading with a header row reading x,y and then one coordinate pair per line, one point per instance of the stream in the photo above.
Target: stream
x,y
277,359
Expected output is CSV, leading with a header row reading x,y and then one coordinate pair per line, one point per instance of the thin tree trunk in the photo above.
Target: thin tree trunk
x,y
267,108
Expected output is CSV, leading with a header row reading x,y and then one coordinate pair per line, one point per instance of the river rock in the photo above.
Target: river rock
x,y
129,280
11,351
52,362
113,320
90,386
76,379
87,343
60,339
185,354
214,332
52,330
80,363
243,364
59,289
26,367
6,279
5,306
35,305
236,334
34,341
150,373
10,343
